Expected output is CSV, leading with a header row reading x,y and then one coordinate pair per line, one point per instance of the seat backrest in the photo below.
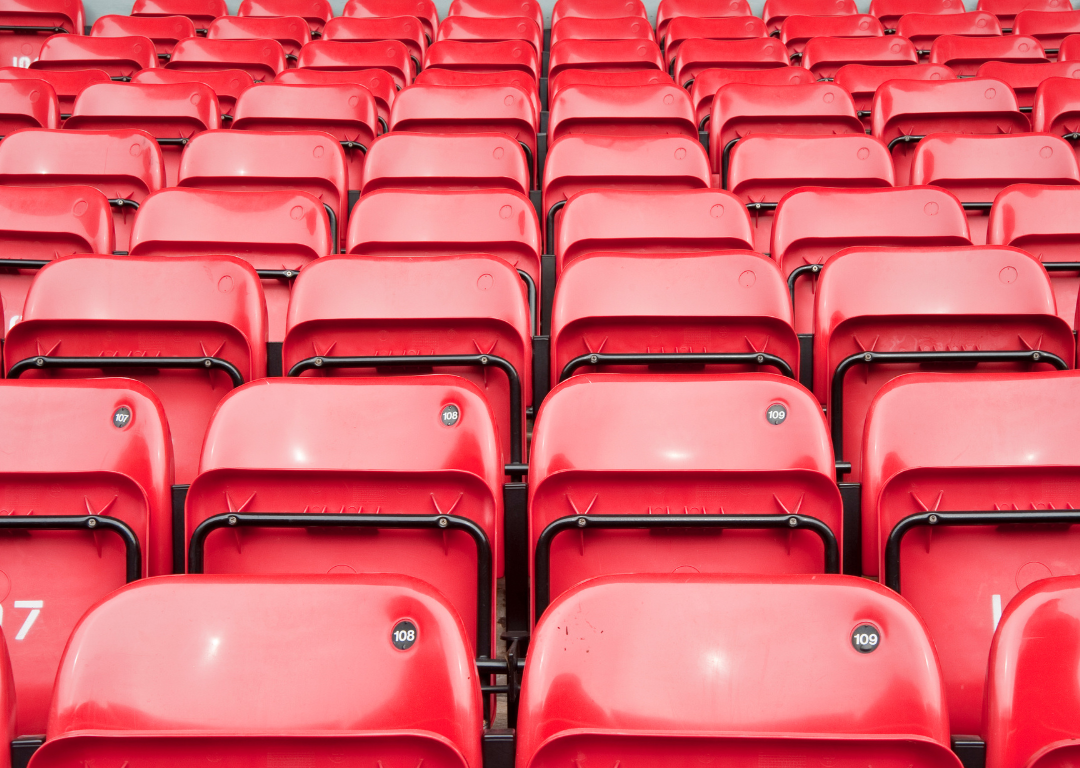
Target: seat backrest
x,y
775,11
75,449
165,31
67,85
588,77
605,56
798,29
30,22
861,81
698,9
709,81
780,648
677,464
923,29
292,32
597,9
359,446
810,225
966,54
119,56
262,59
227,84
421,9
1006,10
315,12
467,56
618,28
1049,27
498,9
7,705
634,110
1025,79
202,12
1056,107
387,55
191,687
824,56
968,443
380,83
889,12
404,160
27,104
514,77
682,28
1032,665
490,29
697,55
405,29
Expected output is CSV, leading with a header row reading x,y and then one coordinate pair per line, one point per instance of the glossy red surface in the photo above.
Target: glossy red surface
x,y
605,56
813,224
709,81
405,29
379,82
498,9
620,28
404,160
67,85
597,9
421,9
469,56
862,80
697,9
202,12
775,11
1006,10
362,446
122,164
765,670
262,59
1024,79
925,299
62,455
227,84
797,30
589,77
1069,49
683,28
119,56
515,77
696,56
1056,106
292,32
165,31
167,669
1049,27
824,56
7,705
923,29
636,110
24,48
315,12
966,54
489,29
389,56
27,104
890,11
967,442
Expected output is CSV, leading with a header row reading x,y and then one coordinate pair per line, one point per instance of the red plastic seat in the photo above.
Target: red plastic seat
x,y
825,56
922,29
405,160
607,79
709,81
775,11
650,222
253,161
70,455
202,12
889,12
67,85
985,449
292,32
861,81
487,29
1031,702
262,59
697,9
514,77
185,310
683,28
165,31
1050,28
765,168
172,114
459,306
905,111
1041,220
7,704
639,110
677,467
1006,10
797,30
743,109
407,30
390,56
28,23
920,305
27,104
597,9
120,57
1025,79
810,225
315,12
696,56
498,9
345,111
124,165
424,10
191,663
467,56
579,162
276,231
604,56
965,54
227,85
977,168
621,28
380,83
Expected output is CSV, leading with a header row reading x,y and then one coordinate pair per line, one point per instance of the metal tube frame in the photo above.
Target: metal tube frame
x,y
706,358
42,362
132,549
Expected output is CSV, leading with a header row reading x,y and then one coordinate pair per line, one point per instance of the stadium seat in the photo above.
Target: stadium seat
x,y
39,225
891,311
28,23
165,31
765,168
405,29
696,56
678,469
1041,220
1025,79
380,83
390,56
709,81
405,160
597,9
964,55
345,111
209,664
775,11
469,109
367,430
7,705
972,456
1006,10
253,161
262,59
172,114
825,56
315,12
682,28
487,29
424,10
889,12
922,29
27,104
484,57
203,317
813,224
227,85
697,9
66,85
861,81
120,57
740,110
1050,28
650,223
74,452
622,28
579,162
977,168
202,12
588,77
797,30
905,111
498,9
124,165
464,306
276,231
292,32
639,110
515,77
604,56
1031,701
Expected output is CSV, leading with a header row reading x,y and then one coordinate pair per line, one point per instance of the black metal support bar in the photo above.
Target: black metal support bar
x,y
805,269
689,358
172,141
551,225
44,362
29,30
541,347
333,228
530,290
277,274
121,78
24,747
179,500
542,564
132,550
353,145
23,263
547,292
758,207
906,139
977,206
516,534
529,162
123,202
836,403
725,162
1049,266
851,496
382,122
861,113
951,518
703,123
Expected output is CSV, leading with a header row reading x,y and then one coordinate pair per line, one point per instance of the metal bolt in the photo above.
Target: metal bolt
x,y
793,522
91,523
443,522
207,362
233,520
816,268
581,521
761,358
593,359
289,273
39,362
933,519
483,360
868,357
1035,356
318,362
